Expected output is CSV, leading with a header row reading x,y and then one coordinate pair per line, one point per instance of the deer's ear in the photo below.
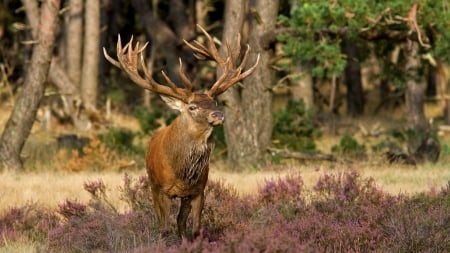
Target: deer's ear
x,y
173,103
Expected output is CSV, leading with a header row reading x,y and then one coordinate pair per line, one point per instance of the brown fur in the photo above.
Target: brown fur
x,y
178,163
178,155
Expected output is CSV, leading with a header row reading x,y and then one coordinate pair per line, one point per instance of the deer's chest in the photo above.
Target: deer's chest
x,y
195,166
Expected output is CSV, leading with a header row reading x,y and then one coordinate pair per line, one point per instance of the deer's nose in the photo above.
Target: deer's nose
x,y
216,118
218,115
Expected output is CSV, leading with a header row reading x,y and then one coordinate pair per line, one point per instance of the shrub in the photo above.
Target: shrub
x,y
28,221
419,223
150,120
349,146
121,140
94,156
285,189
350,209
98,226
223,211
294,127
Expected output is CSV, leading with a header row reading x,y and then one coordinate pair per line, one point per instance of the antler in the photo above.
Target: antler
x,y
127,60
230,74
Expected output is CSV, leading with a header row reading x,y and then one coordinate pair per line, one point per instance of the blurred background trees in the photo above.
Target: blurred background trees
x,y
324,58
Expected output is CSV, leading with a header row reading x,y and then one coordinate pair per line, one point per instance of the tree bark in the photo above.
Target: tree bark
x,y
91,54
23,115
248,127
414,92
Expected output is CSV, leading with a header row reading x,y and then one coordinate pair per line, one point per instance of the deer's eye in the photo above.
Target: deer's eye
x,y
192,107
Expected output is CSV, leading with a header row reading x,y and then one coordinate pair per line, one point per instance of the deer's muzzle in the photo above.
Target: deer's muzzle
x,y
216,118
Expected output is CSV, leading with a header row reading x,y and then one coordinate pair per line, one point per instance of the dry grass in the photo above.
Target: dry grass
x,y
51,188
20,246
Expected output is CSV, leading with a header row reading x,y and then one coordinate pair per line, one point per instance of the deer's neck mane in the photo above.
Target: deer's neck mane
x,y
191,149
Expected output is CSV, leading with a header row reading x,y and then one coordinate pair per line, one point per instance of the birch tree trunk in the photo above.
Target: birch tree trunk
x,y
23,115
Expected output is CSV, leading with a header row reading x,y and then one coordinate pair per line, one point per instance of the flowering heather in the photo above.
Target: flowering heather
x,y
28,221
288,188
72,208
343,213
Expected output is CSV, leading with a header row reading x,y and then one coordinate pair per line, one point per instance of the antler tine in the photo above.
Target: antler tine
x,y
200,51
110,59
227,81
245,58
184,79
172,85
234,54
230,73
212,49
127,60
250,70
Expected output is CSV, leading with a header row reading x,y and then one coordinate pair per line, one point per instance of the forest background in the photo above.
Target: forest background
x,y
340,85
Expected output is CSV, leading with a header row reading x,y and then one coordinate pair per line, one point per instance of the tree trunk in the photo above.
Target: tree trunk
x,y
248,127
181,21
234,123
355,95
23,115
32,10
414,92
70,92
74,41
162,37
302,87
91,50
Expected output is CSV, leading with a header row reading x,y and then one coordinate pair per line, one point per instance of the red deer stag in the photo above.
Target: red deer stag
x,y
178,155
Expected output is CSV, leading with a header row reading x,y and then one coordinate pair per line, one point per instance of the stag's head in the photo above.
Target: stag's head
x,y
199,107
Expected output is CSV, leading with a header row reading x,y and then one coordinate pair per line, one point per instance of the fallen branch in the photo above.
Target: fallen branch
x,y
284,153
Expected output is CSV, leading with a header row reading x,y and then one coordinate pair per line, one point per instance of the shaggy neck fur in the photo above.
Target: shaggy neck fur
x,y
191,149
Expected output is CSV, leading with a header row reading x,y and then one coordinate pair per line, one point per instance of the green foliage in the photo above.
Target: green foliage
x,y
349,146
221,145
147,118
122,140
150,120
410,138
294,127
317,28
445,149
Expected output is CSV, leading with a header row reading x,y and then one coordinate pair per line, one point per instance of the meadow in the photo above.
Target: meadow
x,y
50,188
284,208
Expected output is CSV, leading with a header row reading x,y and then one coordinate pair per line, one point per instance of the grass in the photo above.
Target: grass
x,y
50,188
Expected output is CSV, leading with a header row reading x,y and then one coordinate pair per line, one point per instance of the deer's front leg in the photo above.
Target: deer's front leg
x,y
197,208
185,209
